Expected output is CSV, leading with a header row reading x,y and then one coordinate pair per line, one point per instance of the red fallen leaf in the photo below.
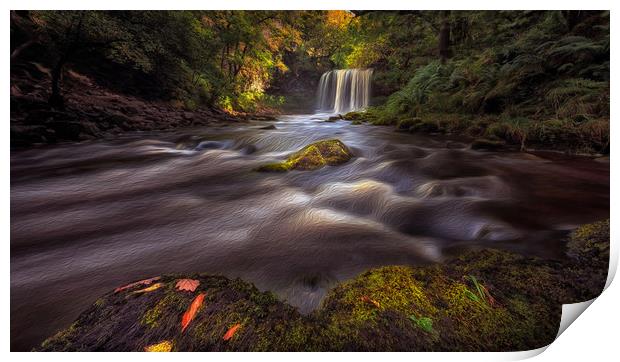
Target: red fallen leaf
x,y
366,299
188,284
140,282
190,313
490,298
231,331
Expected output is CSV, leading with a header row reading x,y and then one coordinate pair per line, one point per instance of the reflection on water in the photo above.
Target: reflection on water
x,y
86,218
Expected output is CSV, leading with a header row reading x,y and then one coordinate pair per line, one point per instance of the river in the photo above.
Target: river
x,y
88,217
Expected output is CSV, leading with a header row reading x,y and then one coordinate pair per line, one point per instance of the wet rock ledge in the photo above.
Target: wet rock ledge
x,y
484,300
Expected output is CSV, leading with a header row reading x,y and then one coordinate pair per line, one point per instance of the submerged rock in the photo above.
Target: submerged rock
x,y
334,118
483,300
189,142
271,126
312,157
487,144
353,116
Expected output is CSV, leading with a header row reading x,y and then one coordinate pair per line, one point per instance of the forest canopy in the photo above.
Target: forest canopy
x,y
514,66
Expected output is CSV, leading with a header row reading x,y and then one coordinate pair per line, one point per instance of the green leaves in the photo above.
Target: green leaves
x,y
483,296
424,323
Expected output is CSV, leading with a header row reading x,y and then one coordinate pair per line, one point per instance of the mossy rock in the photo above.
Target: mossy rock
x,y
407,123
312,157
482,300
130,320
487,144
334,118
353,116
588,245
439,308
356,122
590,242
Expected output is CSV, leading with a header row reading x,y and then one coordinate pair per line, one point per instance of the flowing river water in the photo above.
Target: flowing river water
x,y
86,218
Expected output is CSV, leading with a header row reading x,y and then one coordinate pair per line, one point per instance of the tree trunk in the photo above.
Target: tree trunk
x,y
56,100
444,37
574,17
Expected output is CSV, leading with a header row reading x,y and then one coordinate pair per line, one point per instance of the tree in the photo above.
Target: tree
x,y
74,32
444,36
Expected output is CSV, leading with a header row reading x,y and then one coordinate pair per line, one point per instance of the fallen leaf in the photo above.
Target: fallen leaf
x,y
490,298
141,282
231,332
149,289
424,323
366,299
190,313
188,284
165,346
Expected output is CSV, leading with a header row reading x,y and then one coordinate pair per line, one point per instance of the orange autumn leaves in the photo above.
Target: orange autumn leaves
x,y
366,299
193,309
190,313
181,285
149,289
134,284
231,332
189,285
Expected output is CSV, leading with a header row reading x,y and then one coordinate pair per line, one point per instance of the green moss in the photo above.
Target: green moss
x,y
172,299
590,242
425,323
588,246
312,157
354,116
484,299
275,167
60,339
392,288
475,324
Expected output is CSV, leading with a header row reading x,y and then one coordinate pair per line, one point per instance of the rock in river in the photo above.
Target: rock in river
x,y
312,157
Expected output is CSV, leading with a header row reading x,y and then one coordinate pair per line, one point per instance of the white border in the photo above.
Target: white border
x,y
593,334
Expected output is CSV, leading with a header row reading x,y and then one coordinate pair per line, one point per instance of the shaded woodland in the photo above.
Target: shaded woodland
x,y
520,77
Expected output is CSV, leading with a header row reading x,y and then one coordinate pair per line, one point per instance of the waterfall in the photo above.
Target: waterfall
x,y
344,90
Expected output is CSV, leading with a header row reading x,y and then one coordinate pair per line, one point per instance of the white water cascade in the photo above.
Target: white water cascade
x,y
344,90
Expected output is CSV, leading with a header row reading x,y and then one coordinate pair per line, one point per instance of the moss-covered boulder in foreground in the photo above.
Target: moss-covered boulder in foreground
x,y
134,319
312,157
483,300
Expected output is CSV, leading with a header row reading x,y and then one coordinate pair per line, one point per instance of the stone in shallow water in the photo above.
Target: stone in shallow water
x,y
312,157
487,144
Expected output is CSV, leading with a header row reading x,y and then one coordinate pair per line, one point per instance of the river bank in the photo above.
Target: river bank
x,y
484,300
94,112
484,132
